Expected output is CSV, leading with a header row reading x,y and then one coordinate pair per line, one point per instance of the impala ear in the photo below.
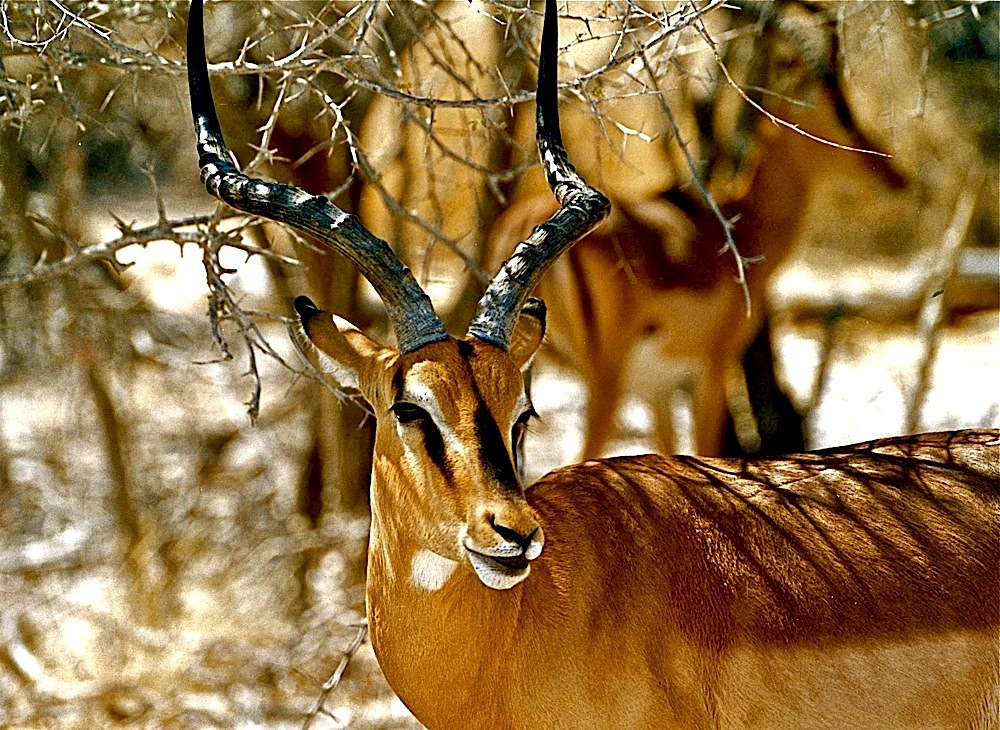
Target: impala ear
x,y
528,332
346,349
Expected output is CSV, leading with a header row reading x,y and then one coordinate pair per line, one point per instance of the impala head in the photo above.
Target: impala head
x,y
448,418
449,412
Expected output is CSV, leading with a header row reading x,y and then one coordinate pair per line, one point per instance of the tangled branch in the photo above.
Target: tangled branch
x,y
329,67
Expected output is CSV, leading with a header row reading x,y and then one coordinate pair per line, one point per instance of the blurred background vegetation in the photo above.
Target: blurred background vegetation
x,y
183,513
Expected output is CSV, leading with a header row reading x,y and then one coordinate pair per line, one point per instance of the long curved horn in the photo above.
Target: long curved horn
x,y
410,311
582,208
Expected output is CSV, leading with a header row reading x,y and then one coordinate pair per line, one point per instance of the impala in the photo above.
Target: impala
x,y
855,587
645,304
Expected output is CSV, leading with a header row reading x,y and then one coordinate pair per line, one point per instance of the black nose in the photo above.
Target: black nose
x,y
513,535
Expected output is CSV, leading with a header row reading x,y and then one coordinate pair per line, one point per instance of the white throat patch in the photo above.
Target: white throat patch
x,y
429,571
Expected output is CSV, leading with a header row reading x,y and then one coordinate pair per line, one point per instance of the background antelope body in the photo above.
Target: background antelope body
x,y
644,306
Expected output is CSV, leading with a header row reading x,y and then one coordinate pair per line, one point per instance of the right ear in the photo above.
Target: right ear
x,y
345,348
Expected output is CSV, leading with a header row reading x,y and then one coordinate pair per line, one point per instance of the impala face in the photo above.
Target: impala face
x,y
449,418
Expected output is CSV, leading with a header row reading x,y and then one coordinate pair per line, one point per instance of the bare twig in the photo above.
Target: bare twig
x,y
67,20
934,307
170,230
726,223
331,683
774,118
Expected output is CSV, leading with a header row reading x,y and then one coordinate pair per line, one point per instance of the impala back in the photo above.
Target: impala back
x,y
857,587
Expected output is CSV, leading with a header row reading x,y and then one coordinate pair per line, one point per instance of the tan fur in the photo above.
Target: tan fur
x,y
663,607
856,587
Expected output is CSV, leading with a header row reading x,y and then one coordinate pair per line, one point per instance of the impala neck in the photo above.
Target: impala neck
x,y
393,542
460,654
430,616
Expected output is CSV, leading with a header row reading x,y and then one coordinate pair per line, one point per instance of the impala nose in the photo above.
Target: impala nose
x,y
519,531
512,535
501,543
505,529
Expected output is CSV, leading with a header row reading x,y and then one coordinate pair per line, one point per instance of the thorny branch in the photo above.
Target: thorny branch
x,y
224,307
66,21
334,680
293,58
175,230
65,68
696,176
774,118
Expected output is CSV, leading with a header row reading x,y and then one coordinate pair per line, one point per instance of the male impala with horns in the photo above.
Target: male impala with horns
x,y
856,587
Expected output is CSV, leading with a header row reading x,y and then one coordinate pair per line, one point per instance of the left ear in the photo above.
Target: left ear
x,y
347,349
528,332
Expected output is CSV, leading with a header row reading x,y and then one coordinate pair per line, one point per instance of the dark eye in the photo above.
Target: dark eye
x,y
409,413
416,418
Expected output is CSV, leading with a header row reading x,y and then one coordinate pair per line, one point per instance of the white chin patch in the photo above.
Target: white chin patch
x,y
429,571
495,575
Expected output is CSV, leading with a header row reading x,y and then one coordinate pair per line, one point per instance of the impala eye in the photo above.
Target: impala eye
x,y
408,413
416,418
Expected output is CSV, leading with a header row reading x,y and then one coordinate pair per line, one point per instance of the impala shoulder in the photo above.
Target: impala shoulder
x,y
613,496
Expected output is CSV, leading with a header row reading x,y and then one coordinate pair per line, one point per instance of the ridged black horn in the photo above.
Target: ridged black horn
x,y
410,311
582,208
